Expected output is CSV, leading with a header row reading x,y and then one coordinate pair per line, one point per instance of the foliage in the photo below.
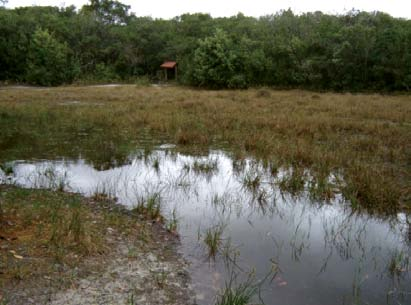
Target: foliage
x,y
103,41
108,11
215,62
48,61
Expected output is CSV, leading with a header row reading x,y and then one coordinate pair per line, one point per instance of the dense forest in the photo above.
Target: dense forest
x,y
103,41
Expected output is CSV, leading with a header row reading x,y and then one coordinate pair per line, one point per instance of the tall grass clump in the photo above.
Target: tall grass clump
x,y
293,182
321,188
150,206
172,223
243,293
399,264
105,190
240,295
153,205
371,189
51,178
156,164
213,239
252,181
205,166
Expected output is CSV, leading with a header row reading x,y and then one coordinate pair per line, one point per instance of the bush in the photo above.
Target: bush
x,y
49,62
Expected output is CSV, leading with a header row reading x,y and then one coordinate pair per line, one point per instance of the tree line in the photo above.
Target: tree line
x,y
103,41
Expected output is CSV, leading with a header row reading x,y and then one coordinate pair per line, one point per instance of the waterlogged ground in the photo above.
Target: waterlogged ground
x,y
309,252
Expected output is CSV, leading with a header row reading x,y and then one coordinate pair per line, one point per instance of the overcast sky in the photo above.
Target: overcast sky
x,y
169,8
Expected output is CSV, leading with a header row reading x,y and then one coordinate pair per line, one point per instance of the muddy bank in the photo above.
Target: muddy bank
x,y
136,261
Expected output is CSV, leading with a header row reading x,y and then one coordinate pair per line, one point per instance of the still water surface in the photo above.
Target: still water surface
x,y
315,252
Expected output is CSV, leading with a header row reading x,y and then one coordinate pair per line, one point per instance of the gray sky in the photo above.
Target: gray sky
x,y
217,8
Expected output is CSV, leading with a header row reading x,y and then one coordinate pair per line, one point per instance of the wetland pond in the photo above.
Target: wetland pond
x,y
308,251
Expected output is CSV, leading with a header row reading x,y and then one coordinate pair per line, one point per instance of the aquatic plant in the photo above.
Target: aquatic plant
x,y
252,181
293,182
321,188
245,292
156,164
399,264
213,239
205,166
240,295
104,190
366,187
50,177
172,223
7,168
153,205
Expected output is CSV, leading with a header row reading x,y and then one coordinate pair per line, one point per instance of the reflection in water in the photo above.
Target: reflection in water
x,y
320,253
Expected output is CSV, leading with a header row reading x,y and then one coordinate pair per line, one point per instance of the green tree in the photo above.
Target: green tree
x,y
355,51
215,63
48,61
108,11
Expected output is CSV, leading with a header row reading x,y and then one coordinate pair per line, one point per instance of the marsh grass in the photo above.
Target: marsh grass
x,y
156,164
207,166
104,190
364,136
153,206
213,239
252,181
7,168
172,222
293,181
240,295
150,206
371,189
244,292
320,187
399,264
50,177
46,227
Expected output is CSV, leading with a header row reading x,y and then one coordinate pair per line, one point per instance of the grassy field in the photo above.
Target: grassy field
x,y
364,139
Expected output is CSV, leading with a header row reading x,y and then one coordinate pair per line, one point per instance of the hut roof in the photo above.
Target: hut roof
x,y
168,64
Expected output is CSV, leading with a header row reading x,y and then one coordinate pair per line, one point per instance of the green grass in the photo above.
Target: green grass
x,y
150,206
243,293
40,228
293,182
153,206
252,181
213,239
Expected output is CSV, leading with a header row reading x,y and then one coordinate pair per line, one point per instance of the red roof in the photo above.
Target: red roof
x,y
168,64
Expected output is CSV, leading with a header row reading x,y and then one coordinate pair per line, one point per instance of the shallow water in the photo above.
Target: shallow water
x,y
314,252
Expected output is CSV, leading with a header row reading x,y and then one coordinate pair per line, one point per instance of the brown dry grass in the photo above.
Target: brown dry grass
x,y
365,138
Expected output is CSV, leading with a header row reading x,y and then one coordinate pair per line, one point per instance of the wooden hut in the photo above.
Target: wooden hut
x,y
170,69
